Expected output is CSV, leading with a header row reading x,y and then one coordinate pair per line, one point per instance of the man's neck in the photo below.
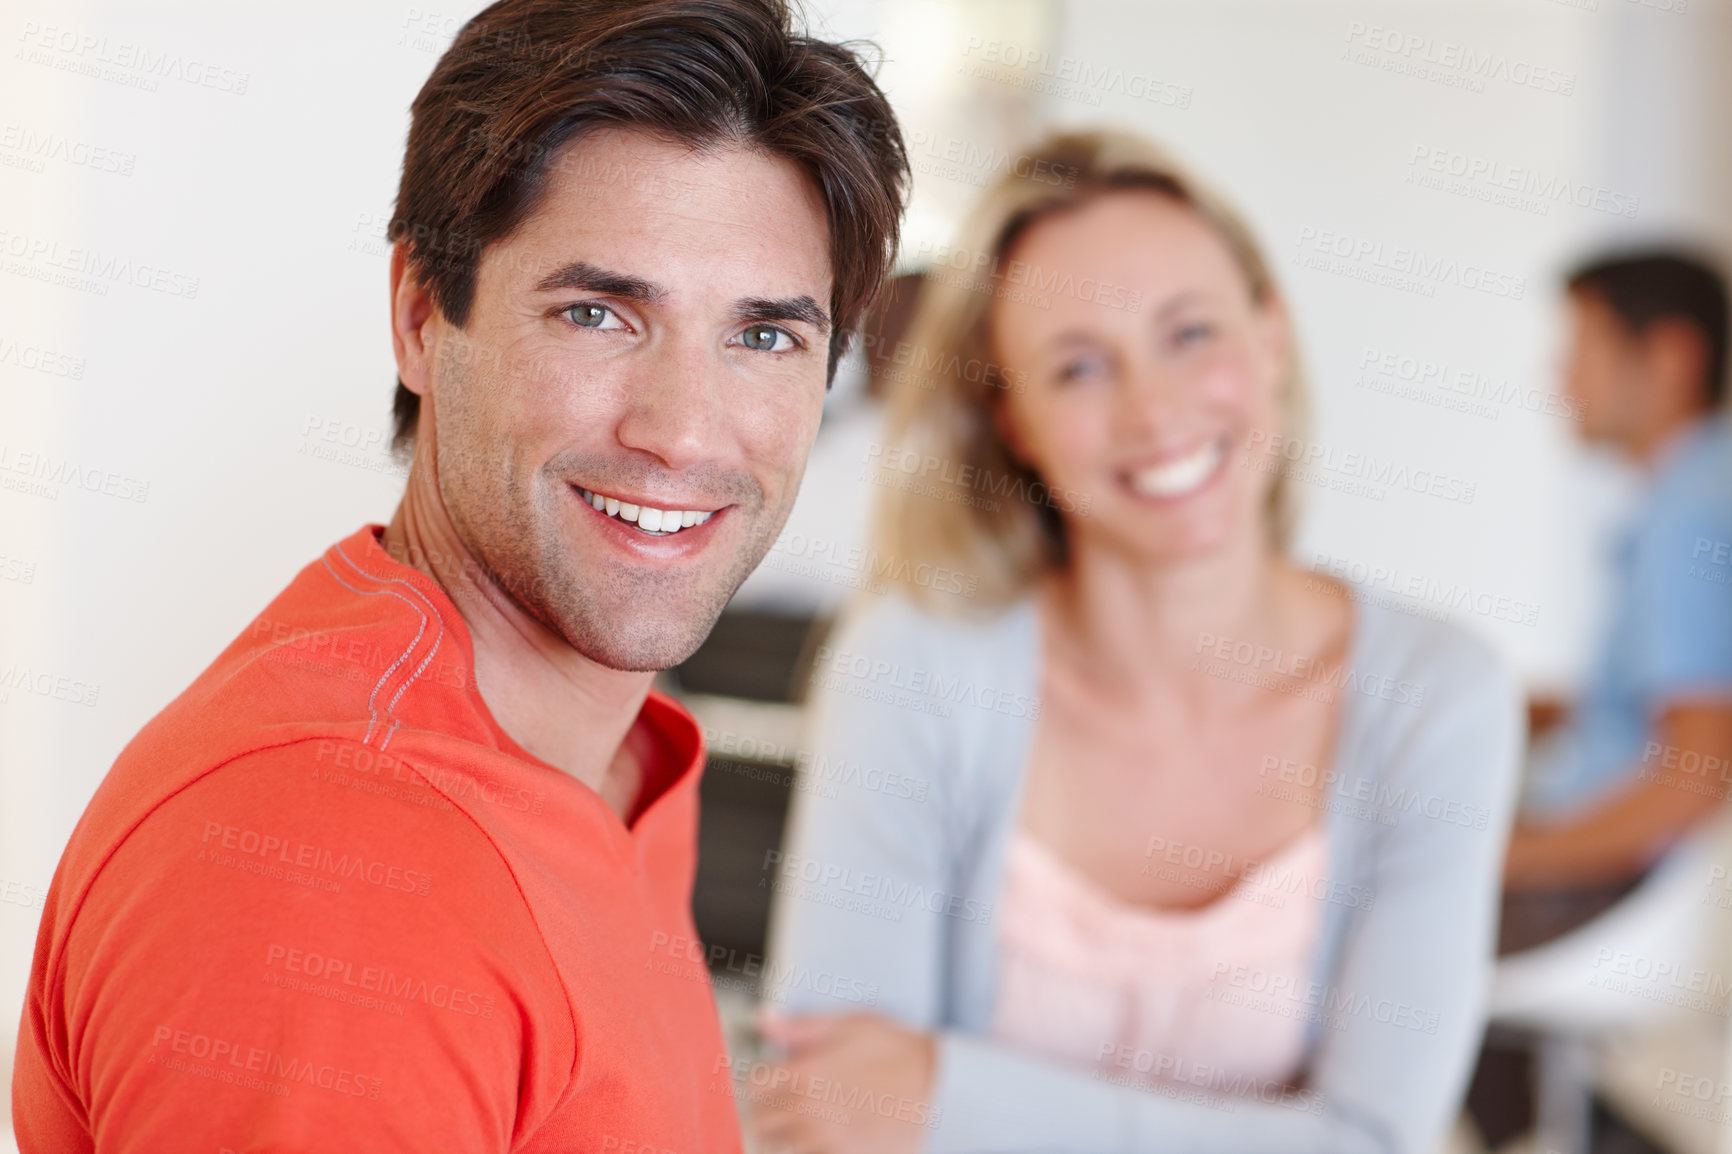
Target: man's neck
x,y
1649,445
558,704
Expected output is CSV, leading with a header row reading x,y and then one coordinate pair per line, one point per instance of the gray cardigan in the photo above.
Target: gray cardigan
x,y
911,784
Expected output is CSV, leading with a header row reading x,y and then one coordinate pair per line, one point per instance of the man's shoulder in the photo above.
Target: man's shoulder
x,y
322,818
1696,477
320,689
1683,535
354,635
273,905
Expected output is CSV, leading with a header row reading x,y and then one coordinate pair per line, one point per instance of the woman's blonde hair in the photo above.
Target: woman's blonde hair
x,y
987,516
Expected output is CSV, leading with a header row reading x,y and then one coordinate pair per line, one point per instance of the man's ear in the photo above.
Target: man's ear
x,y
411,310
1675,354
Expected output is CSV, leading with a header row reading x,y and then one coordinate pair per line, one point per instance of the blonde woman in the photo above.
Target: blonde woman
x,y
1204,854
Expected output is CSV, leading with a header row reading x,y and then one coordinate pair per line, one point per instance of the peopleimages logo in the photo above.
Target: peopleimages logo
x,y
39,359
1516,186
40,146
1284,995
319,867
1430,58
1267,449
1276,667
89,269
973,162
814,769
1433,381
43,683
785,1088
255,1067
894,894
1382,798
1176,1068
857,567
1359,256
1067,77
348,980
1711,561
1663,980
992,274
774,980
122,61
878,673
43,474
1455,595
949,475
1265,882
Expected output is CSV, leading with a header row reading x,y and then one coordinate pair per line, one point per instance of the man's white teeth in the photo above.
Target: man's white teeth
x,y
658,521
1176,478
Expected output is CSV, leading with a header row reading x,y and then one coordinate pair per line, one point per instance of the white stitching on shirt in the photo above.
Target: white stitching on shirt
x,y
390,709
372,709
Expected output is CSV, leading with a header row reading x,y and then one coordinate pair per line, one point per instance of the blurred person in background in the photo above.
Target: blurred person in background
x,y
1647,752
1645,756
1206,855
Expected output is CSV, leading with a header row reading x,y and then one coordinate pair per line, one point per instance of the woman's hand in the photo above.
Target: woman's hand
x,y
851,1084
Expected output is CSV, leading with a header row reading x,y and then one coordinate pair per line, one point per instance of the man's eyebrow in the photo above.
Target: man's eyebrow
x,y
581,276
802,308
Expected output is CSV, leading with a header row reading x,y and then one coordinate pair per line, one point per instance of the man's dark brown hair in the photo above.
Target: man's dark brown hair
x,y
1644,288
526,77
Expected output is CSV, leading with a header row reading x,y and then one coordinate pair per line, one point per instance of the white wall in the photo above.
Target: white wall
x,y
273,199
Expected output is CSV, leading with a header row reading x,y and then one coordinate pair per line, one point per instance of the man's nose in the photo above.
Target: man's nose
x,y
672,406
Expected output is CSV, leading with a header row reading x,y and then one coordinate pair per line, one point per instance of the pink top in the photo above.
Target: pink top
x,y
1084,975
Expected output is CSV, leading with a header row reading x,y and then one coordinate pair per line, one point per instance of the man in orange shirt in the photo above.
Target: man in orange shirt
x,y
409,867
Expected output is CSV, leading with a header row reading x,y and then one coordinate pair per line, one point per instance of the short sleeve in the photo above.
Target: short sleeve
x,y
276,958
1679,593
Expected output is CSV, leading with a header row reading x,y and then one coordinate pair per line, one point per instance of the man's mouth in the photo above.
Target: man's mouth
x,y
648,520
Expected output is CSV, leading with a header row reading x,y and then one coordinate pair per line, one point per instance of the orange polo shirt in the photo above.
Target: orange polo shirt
x,y
323,902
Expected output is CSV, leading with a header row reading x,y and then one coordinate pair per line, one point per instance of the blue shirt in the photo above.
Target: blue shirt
x,y
1671,630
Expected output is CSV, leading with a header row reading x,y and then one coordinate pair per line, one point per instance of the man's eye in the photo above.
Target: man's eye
x,y
766,338
593,316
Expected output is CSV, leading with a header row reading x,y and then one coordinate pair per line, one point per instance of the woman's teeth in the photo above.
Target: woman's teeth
x,y
657,522
1176,478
